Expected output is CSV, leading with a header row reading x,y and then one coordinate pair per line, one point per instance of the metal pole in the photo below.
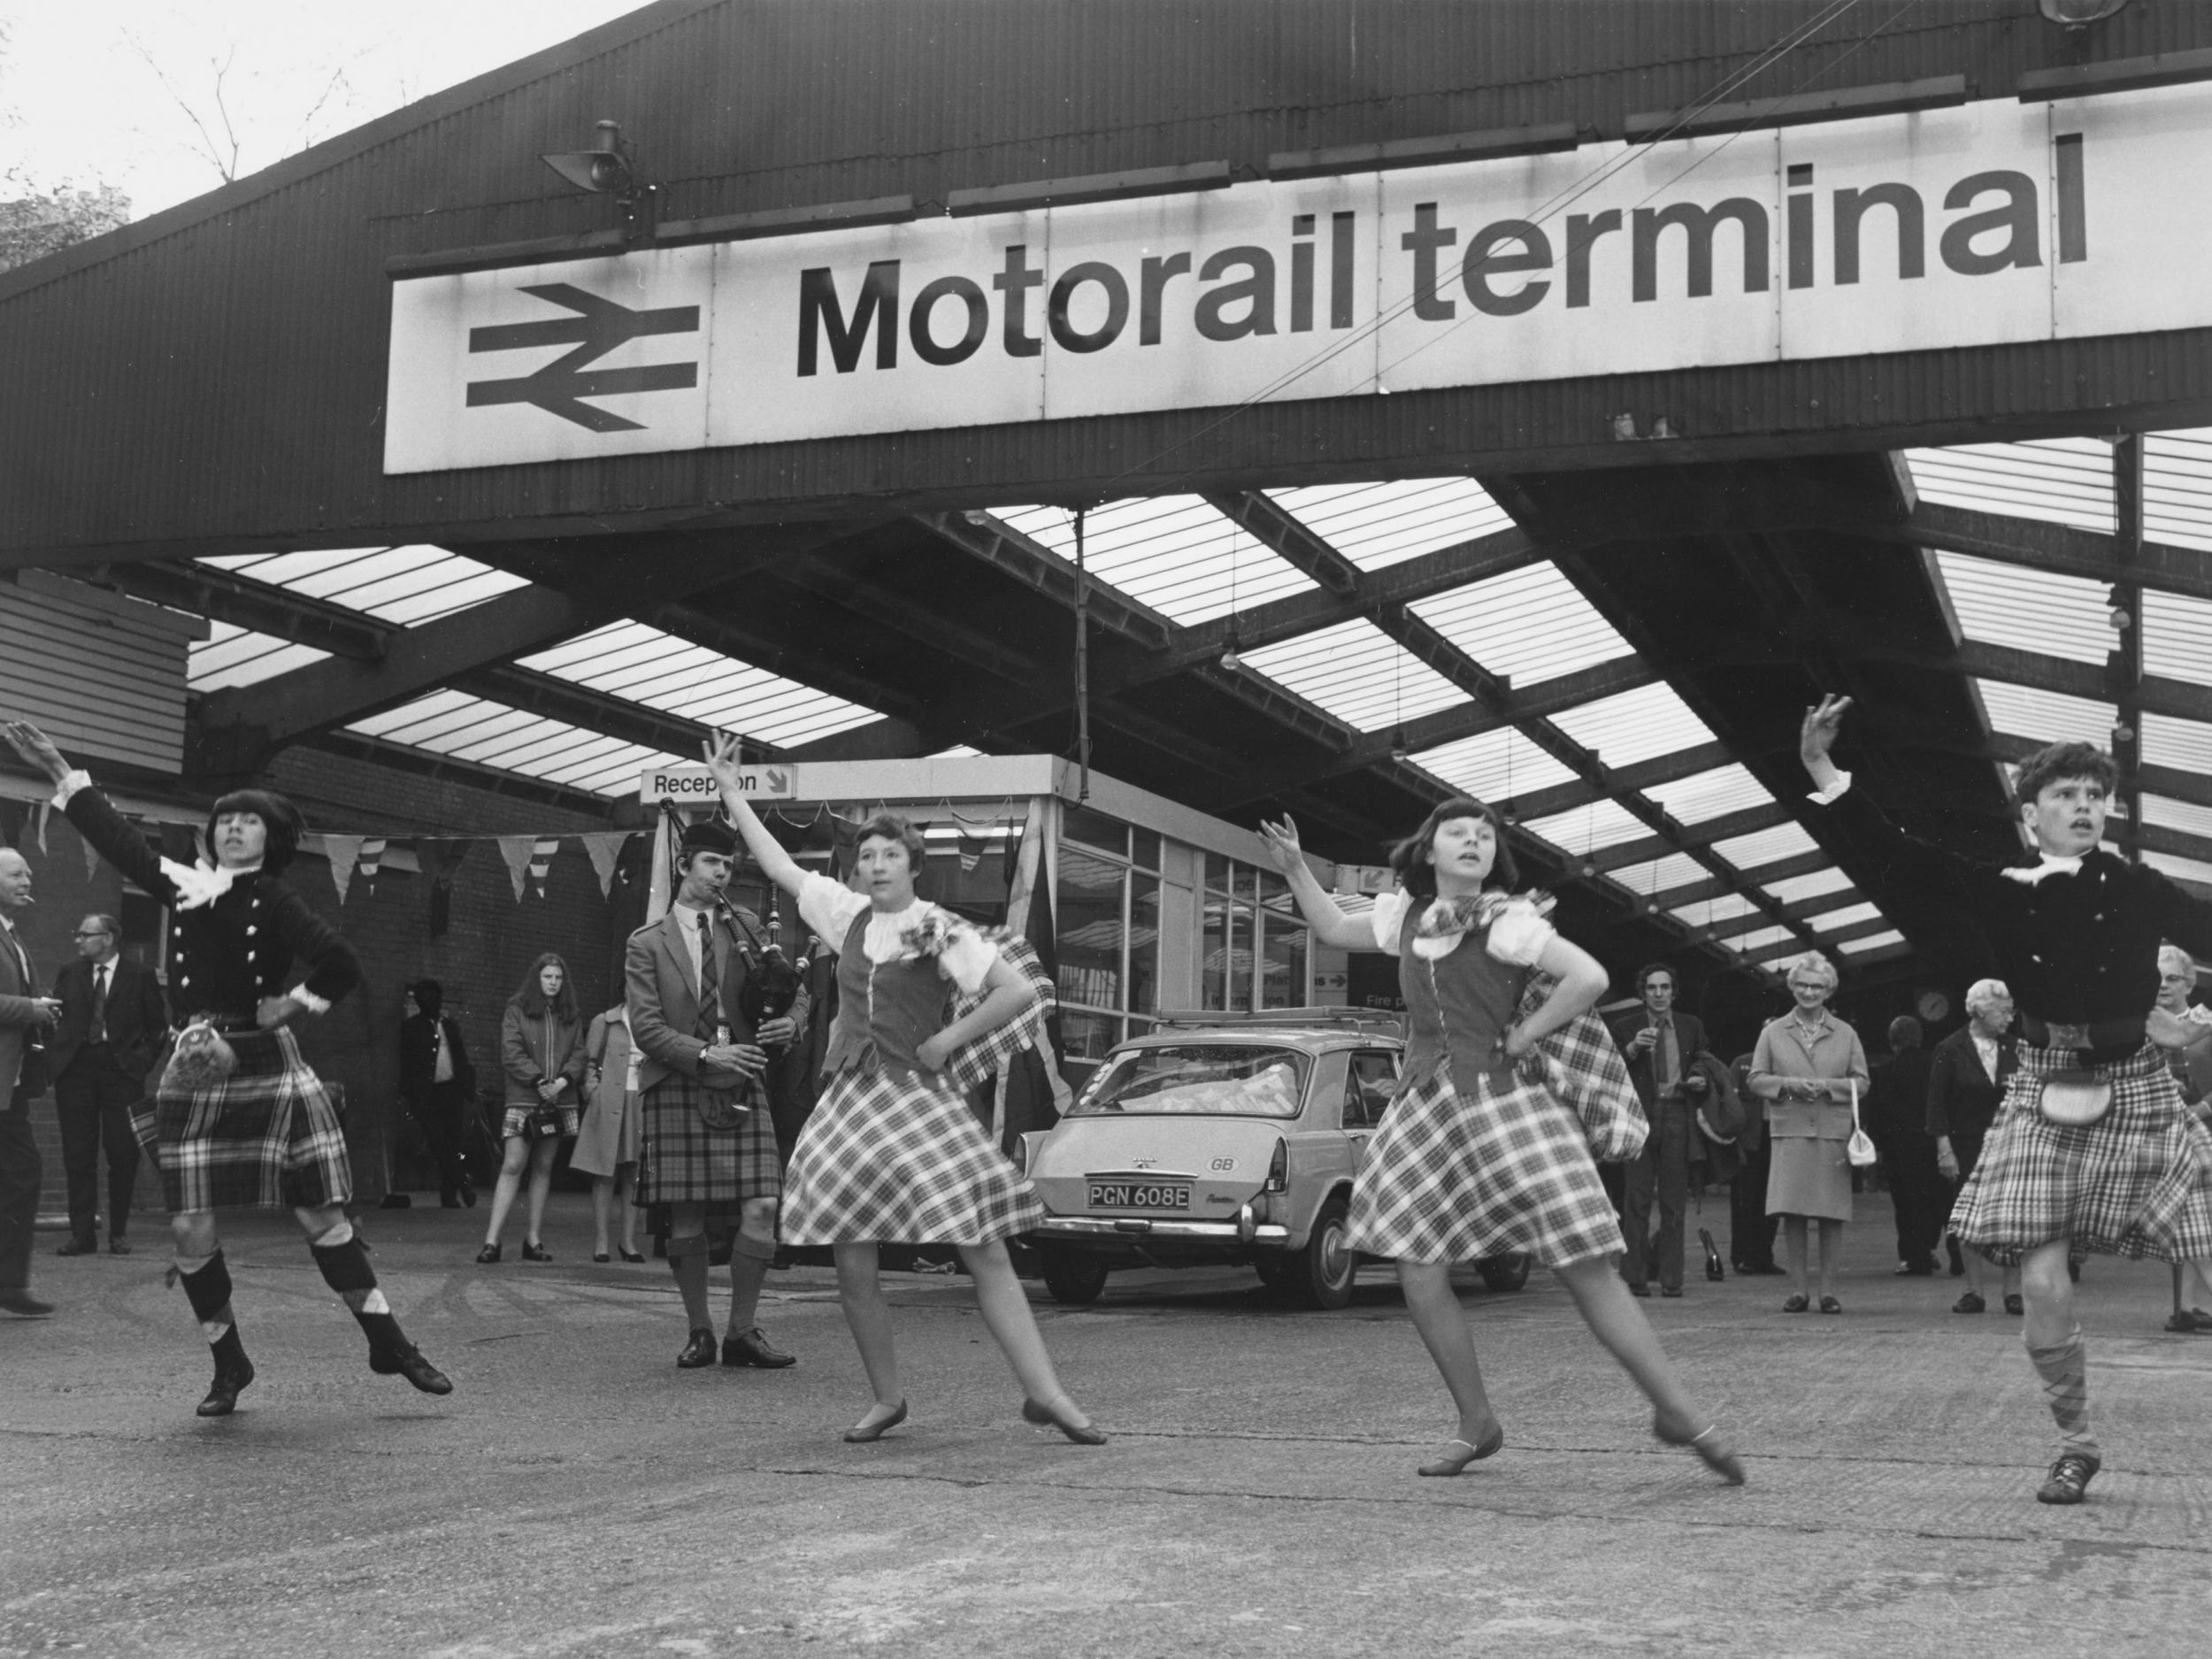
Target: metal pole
x,y
1082,666
2124,667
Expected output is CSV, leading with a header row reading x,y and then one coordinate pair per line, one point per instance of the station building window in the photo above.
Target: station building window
x,y
1109,926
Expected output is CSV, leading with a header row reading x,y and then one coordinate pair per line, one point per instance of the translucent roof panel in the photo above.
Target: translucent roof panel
x,y
1173,553
2167,741
2177,488
1797,889
2047,717
1358,674
1661,875
2177,636
629,660
1494,766
1639,725
1758,941
238,656
1709,794
406,585
492,734
1848,918
1376,525
2182,815
1587,828
2005,604
1766,845
2060,480
1715,912
1529,625
1873,941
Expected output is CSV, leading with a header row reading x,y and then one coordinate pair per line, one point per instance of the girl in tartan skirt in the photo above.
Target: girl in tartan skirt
x,y
2092,1148
892,1152
1473,1157
265,1133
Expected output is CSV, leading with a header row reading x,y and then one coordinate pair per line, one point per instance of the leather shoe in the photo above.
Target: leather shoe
x,y
1768,1271
1970,1302
488,1255
409,1363
2014,1305
222,1394
1640,1290
1914,1269
751,1347
2070,1477
697,1352
118,1247
80,1247
1675,1290
536,1252
24,1305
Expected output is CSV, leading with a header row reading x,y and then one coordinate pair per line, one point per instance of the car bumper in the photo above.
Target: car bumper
x,y
1246,1229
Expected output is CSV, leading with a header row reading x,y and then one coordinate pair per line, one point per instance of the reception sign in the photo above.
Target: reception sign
x,y
1986,224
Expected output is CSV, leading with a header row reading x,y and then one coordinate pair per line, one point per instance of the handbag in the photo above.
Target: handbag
x,y
542,1124
1861,1151
201,1060
2075,1098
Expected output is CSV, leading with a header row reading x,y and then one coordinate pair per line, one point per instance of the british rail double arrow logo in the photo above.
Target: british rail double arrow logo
x,y
598,327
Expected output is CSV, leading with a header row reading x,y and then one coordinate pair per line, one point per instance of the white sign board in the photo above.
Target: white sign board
x,y
1988,224
694,786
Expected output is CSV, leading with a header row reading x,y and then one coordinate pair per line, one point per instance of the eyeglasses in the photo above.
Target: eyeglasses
x,y
83,933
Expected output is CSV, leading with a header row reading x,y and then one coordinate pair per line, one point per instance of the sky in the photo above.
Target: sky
x,y
124,92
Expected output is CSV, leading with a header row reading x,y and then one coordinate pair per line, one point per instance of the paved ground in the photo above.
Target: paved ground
x,y
577,1496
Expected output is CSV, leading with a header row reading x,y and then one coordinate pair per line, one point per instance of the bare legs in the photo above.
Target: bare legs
x,y
542,1155
868,1317
1602,1296
514,1157
1831,1253
1977,1264
1794,1253
1450,1342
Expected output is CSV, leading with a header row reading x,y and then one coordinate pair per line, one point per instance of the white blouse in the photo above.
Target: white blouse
x,y
1519,936
829,907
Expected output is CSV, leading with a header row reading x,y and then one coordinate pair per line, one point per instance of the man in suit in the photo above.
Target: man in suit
x,y
1896,1116
25,1017
437,1086
708,1150
113,1016
1661,1047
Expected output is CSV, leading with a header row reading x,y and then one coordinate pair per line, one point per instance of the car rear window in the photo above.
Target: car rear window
x,y
1239,1080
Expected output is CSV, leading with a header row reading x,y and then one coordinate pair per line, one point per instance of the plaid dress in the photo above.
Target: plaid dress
x,y
682,1160
2137,1182
267,1135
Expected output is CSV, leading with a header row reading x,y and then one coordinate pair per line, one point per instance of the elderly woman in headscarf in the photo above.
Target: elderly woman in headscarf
x,y
1809,1067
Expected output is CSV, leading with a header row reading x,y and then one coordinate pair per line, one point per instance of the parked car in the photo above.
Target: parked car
x,y
1222,1139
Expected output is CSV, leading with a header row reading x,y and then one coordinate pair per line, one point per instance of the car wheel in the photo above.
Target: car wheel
x,y
1328,1264
1505,1272
1074,1277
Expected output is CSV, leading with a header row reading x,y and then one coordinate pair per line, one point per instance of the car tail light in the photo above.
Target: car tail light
x,y
1279,1169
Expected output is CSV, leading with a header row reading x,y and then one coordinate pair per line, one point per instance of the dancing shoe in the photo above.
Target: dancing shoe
x,y
118,1247
536,1252
1710,1448
1045,1417
79,1247
1970,1302
2190,1322
1829,1304
1797,1304
750,1347
222,1394
2014,1305
489,1253
699,1351
23,1304
2070,1477
407,1361
864,1431
1455,1461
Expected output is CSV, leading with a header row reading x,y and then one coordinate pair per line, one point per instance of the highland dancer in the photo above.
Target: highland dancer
x,y
892,1152
2092,1148
1477,1156
263,1131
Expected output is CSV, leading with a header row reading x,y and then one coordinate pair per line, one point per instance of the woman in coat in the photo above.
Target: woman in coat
x,y
607,1144
541,1051
1809,1067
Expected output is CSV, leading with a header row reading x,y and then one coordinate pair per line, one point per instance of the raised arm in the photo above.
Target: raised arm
x,y
1906,857
90,813
776,864
1331,926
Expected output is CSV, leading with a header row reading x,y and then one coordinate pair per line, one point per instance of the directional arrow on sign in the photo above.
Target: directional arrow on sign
x,y
597,328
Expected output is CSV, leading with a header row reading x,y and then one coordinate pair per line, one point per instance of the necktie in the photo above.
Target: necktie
x,y
1668,1069
709,982
100,1004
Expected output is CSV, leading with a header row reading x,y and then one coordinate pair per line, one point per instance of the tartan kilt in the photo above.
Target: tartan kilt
x,y
1455,1176
884,1159
2137,1182
267,1135
681,1161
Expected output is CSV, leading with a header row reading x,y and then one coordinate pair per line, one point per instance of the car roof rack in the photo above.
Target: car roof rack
x,y
1350,1019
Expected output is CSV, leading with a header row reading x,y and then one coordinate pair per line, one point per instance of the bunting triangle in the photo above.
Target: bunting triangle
x,y
343,851
604,849
371,859
516,849
542,851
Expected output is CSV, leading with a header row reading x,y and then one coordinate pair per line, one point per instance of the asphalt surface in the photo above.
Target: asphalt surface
x,y
578,1495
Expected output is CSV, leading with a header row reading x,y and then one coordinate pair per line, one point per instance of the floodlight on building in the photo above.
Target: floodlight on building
x,y
605,169
2078,15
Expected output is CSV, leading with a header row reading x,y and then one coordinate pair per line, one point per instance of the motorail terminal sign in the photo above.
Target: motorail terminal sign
x,y
1988,223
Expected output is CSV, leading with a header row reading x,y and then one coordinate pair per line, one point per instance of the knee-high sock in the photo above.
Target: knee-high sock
x,y
207,1287
748,1267
346,1270
687,1261
2064,1369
